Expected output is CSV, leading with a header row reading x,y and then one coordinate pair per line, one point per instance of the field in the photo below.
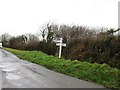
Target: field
x,y
98,73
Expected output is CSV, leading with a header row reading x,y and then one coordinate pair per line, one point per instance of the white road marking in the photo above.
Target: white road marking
x,y
12,76
3,65
9,69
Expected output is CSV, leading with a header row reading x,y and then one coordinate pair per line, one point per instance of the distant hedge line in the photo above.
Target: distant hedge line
x,y
83,44
97,49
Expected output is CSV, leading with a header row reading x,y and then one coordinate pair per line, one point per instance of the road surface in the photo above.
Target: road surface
x,y
17,73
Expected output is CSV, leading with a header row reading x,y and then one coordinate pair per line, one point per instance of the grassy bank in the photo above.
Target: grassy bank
x,y
101,74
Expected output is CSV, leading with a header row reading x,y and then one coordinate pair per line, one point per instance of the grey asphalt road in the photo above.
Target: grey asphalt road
x,y
17,73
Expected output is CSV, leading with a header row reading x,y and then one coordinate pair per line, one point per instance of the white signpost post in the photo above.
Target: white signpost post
x,y
60,44
0,45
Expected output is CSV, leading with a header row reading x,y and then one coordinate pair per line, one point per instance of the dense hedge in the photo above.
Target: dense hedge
x,y
95,49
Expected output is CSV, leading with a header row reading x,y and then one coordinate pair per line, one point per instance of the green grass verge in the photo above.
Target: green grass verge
x,y
98,73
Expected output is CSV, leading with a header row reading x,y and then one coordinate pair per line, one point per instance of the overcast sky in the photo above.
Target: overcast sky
x,y
26,16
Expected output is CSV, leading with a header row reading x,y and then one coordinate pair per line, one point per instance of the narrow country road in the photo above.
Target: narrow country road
x,y
17,73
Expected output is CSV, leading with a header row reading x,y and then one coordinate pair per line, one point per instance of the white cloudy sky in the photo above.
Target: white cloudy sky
x,y
25,16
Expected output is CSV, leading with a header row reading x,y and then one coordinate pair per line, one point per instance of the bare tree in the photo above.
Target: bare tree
x,y
69,33
30,37
42,32
47,32
5,39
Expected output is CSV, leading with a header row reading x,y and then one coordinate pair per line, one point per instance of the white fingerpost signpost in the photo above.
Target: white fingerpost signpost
x,y
60,44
